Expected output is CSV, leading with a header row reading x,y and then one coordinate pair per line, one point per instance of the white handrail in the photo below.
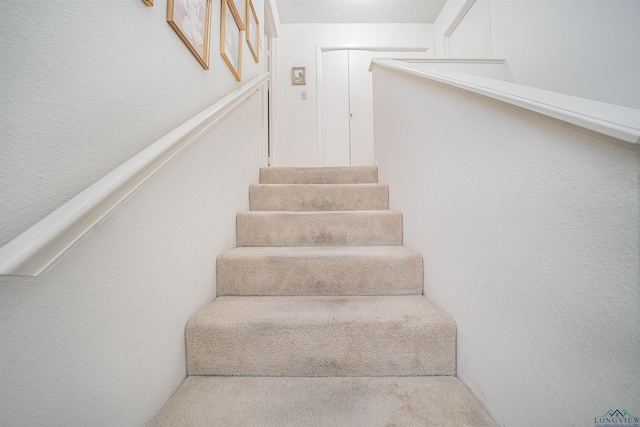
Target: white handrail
x,y
615,121
41,245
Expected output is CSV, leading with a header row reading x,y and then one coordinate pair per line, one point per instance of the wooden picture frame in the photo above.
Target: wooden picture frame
x,y
298,76
191,20
231,39
239,9
253,31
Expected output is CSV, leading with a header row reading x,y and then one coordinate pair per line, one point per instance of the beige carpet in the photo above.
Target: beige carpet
x,y
320,270
320,318
321,336
320,402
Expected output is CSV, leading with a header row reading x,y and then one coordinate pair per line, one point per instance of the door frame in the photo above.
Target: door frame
x,y
271,114
320,49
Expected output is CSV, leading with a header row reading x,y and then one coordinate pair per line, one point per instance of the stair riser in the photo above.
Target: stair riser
x,y
328,175
348,349
318,197
320,275
373,228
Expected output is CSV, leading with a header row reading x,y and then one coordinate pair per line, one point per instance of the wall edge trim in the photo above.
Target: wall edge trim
x,y
615,121
35,250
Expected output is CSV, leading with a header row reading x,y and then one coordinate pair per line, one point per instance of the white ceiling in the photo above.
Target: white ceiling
x,y
359,11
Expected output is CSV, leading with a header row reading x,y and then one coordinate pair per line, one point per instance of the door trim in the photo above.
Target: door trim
x,y
270,60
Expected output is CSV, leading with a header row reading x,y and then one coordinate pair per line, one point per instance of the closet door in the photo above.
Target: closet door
x,y
335,144
347,108
361,107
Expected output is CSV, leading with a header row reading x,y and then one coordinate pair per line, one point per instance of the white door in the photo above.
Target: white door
x,y
361,107
335,109
347,108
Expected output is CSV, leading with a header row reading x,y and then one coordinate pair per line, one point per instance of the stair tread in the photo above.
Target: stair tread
x,y
336,214
321,336
318,197
330,228
297,252
319,175
321,309
320,270
330,401
321,185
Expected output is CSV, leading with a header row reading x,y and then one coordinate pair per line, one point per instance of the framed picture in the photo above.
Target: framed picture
x,y
230,39
149,3
253,30
239,11
298,76
190,19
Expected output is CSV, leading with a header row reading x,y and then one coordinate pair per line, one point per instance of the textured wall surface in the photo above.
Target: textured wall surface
x,y
84,88
530,233
349,12
99,339
586,48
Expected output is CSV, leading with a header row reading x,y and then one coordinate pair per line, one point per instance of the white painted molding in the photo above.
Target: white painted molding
x,y
455,61
464,9
373,48
271,22
31,253
618,122
459,17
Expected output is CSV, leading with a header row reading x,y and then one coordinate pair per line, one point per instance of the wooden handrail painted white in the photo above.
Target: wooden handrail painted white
x,y
622,123
40,246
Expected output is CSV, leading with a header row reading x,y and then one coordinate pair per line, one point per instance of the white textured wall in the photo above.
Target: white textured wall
x,y
472,37
99,339
530,232
486,69
297,47
85,86
586,48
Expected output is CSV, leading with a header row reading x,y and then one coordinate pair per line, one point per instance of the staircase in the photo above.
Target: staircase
x,y
320,318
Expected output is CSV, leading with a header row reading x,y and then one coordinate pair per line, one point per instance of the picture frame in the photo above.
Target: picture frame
x,y
239,9
298,76
231,39
253,31
191,20
148,3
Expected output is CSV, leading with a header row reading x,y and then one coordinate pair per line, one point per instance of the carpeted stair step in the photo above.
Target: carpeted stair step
x,y
321,336
322,402
319,175
337,270
318,197
347,228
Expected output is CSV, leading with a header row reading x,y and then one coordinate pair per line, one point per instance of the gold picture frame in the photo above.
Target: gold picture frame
x,y
239,10
191,20
231,39
253,31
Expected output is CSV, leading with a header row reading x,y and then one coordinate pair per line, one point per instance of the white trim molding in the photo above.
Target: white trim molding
x,y
459,17
464,9
31,253
615,121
